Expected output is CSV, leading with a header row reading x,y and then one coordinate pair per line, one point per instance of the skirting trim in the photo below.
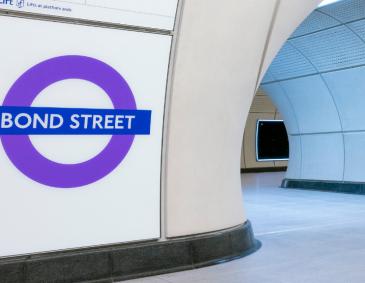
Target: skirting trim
x,y
325,186
127,261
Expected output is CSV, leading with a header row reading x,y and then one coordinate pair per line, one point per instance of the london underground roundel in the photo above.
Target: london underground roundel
x,y
18,120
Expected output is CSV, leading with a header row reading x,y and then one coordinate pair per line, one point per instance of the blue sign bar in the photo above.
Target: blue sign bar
x,y
73,121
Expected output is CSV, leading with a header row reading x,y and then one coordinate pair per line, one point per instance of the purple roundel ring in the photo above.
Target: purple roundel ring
x,y
21,151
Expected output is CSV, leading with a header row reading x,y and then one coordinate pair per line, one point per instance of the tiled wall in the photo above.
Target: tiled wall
x,y
317,82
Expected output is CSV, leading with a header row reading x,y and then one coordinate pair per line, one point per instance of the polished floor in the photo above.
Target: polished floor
x,y
307,237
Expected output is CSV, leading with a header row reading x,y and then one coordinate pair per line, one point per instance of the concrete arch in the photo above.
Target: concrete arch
x,y
202,183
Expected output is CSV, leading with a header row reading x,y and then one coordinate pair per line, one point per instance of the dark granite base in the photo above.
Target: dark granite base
x,y
264,169
325,186
121,262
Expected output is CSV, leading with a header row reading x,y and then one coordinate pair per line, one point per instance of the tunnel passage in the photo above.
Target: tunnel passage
x,y
317,83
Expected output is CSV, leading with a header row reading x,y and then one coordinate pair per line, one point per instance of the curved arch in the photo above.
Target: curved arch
x,y
337,52
203,148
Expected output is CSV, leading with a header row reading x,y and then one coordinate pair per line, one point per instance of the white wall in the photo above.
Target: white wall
x,y
114,207
157,14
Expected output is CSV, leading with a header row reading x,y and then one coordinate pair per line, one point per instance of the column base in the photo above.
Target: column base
x,y
128,261
325,186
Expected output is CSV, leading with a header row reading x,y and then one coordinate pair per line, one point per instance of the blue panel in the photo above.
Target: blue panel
x,y
359,28
268,77
290,63
346,11
332,49
315,22
313,105
295,160
322,157
348,89
355,157
280,100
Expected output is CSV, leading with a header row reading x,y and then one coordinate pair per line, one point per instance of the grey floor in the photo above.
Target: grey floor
x,y
309,237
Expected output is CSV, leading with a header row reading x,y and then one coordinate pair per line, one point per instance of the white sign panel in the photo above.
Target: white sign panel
x,y
81,120
158,14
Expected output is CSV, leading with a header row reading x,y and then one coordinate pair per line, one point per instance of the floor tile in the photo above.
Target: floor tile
x,y
307,237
